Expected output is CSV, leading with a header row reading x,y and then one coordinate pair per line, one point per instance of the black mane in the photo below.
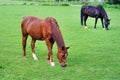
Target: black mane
x,y
103,12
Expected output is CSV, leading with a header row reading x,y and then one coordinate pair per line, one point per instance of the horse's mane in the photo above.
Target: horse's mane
x,y
57,36
102,10
52,21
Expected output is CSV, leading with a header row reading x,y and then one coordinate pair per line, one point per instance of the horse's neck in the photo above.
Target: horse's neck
x,y
58,38
105,17
104,14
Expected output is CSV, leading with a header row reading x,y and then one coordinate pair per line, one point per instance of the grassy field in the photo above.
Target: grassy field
x,y
93,54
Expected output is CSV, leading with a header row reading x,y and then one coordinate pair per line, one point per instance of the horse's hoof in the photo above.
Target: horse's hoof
x,y
52,63
36,59
34,56
103,28
85,27
25,57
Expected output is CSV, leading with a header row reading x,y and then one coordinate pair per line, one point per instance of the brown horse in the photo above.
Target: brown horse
x,y
44,29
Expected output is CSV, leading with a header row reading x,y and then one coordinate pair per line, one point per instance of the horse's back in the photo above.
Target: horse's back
x,y
27,20
35,27
87,9
99,6
90,11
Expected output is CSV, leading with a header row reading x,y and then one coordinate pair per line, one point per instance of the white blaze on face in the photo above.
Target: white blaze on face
x,y
34,56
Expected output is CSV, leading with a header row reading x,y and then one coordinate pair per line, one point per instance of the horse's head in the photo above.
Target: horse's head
x,y
62,56
107,23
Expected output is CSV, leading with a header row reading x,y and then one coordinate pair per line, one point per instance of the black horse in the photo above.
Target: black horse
x,y
95,12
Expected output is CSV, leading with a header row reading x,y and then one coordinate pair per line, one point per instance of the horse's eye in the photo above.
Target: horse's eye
x,y
62,56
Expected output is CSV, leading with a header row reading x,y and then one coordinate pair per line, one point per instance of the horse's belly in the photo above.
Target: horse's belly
x,y
93,13
93,16
37,37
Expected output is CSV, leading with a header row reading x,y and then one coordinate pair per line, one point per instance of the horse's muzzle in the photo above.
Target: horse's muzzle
x,y
63,65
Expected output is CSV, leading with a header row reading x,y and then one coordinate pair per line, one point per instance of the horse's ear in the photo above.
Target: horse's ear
x,y
109,19
67,47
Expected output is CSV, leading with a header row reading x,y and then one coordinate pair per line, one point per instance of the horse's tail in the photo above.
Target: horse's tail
x,y
81,15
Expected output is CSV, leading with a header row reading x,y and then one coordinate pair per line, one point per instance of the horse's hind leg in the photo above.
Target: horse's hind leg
x,y
33,51
95,23
50,43
24,39
85,19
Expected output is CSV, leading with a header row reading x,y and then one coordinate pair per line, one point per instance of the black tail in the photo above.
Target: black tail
x,y
81,15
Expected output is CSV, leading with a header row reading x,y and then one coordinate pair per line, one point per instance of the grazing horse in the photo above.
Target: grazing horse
x,y
44,29
95,12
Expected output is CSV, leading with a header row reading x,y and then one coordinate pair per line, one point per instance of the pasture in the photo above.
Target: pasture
x,y
93,54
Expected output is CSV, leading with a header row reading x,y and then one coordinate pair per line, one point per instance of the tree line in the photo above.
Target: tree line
x,y
114,2
107,1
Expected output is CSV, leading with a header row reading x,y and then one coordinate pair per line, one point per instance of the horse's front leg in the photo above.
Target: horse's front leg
x,y
95,23
102,24
49,43
33,51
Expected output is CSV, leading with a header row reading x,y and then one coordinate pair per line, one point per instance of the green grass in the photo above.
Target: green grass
x,y
93,54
